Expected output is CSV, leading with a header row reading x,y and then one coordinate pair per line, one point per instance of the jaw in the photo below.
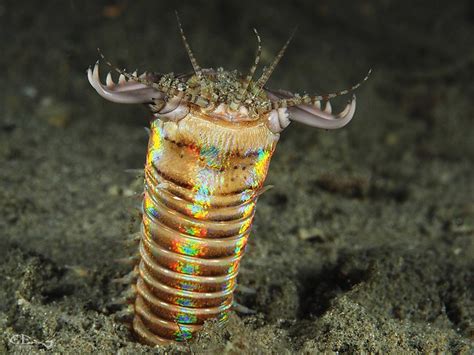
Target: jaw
x,y
124,91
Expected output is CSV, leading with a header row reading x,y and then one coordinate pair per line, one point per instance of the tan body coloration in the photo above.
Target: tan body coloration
x,y
203,176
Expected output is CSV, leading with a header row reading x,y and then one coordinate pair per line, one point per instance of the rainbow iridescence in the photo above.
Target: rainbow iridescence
x,y
259,168
155,144
186,247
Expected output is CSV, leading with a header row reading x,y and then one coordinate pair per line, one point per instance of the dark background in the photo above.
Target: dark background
x,y
364,244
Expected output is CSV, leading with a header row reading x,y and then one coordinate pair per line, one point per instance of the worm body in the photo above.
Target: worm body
x,y
212,136
199,202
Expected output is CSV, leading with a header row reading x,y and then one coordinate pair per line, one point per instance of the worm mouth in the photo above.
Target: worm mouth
x,y
224,112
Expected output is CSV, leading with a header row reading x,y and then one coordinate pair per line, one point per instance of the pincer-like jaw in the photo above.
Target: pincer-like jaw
x,y
126,91
311,115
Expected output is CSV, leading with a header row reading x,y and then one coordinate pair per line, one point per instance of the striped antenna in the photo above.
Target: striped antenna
x,y
266,74
311,100
253,68
196,67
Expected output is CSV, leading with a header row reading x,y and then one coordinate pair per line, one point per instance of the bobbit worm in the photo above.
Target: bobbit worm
x,y
212,135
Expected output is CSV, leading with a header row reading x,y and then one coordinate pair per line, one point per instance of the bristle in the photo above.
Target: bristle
x,y
245,289
128,278
126,314
131,260
126,297
264,189
242,309
132,240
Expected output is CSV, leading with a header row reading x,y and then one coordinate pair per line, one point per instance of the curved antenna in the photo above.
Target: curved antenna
x,y
194,63
266,74
312,100
253,68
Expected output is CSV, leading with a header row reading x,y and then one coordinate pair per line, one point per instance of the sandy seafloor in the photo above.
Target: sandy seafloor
x,y
365,243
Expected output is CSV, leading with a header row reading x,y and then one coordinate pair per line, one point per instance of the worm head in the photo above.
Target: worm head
x,y
224,95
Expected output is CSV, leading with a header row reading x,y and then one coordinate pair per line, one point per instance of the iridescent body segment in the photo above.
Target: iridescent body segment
x,y
212,136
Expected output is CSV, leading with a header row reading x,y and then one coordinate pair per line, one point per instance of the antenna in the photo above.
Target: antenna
x,y
311,100
253,68
196,67
266,75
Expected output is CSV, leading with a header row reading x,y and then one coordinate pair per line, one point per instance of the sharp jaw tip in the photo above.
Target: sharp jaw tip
x,y
328,107
109,81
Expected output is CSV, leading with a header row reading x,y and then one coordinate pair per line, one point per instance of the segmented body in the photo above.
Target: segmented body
x,y
211,140
199,202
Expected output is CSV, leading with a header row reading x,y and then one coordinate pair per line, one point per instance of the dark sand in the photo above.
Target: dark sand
x,y
364,244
